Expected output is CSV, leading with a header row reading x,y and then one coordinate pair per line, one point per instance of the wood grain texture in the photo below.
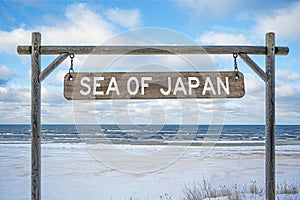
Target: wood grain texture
x,y
35,118
159,80
52,66
152,50
253,66
270,117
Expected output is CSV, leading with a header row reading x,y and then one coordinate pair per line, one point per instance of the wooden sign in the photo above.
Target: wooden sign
x,y
153,85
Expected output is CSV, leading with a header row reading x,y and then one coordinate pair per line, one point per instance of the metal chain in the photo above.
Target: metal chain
x,y
71,66
236,69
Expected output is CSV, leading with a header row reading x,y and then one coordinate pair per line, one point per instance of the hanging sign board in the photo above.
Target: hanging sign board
x,y
153,85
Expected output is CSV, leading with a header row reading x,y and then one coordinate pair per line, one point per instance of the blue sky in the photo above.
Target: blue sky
x,y
204,22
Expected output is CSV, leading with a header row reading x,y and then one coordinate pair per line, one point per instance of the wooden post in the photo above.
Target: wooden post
x,y
152,50
253,66
270,50
35,117
270,117
52,66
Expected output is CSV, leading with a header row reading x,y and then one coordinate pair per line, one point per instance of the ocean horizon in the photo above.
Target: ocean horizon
x,y
149,134
74,168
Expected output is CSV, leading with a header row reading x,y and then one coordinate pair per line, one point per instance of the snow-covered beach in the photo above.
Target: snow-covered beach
x,y
78,171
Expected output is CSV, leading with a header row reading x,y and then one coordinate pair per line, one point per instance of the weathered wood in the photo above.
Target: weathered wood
x,y
150,50
153,85
52,66
270,117
253,66
269,50
35,118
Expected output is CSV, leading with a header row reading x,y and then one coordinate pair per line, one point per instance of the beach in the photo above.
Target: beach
x,y
116,171
149,100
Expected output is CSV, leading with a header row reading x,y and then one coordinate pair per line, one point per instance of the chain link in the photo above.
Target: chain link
x,y
236,69
71,66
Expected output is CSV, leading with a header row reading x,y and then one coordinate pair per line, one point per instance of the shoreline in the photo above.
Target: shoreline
x,y
219,150
77,171
166,143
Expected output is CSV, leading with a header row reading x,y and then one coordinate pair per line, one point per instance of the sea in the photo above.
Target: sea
x,y
150,134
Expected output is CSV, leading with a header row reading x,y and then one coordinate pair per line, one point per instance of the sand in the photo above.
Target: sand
x,y
75,171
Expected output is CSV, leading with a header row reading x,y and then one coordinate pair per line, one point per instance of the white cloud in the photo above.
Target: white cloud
x,y
57,78
283,21
14,112
81,25
15,105
253,84
14,93
74,29
288,91
125,18
287,104
52,96
10,40
158,111
218,38
284,75
5,75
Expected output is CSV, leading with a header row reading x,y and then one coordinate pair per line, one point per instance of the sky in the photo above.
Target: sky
x,y
179,22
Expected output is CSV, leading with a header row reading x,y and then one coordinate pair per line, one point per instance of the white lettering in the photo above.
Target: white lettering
x,y
135,91
191,85
82,83
169,88
183,86
208,86
145,84
111,88
220,84
179,86
97,84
